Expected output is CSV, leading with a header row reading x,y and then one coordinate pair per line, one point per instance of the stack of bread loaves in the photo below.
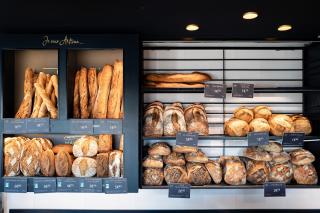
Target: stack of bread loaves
x,y
40,96
99,94
261,119
89,156
176,80
173,119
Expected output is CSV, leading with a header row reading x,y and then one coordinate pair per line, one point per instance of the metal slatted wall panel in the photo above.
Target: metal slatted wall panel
x,y
266,68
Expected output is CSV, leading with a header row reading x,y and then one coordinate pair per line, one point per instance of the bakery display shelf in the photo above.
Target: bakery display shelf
x,y
229,90
225,186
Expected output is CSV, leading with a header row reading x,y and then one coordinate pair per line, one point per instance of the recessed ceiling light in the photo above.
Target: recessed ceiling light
x,y
192,27
284,27
250,15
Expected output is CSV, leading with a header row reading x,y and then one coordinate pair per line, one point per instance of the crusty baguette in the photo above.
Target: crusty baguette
x,y
26,104
51,108
54,99
54,79
194,77
93,87
150,84
42,78
100,108
116,91
83,93
76,108
43,112
48,79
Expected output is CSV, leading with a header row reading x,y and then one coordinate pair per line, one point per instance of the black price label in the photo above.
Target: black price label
x,y
115,185
274,189
38,125
15,184
107,126
81,126
44,185
187,139
12,126
242,90
215,90
293,139
92,185
68,185
258,138
179,190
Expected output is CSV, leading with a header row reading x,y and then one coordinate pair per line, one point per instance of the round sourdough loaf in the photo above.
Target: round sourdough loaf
x,y
86,146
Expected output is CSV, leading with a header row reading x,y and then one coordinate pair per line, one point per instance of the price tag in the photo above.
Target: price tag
x,y
274,189
107,126
38,125
81,126
215,90
187,139
13,126
92,185
293,139
179,190
68,185
115,185
15,184
44,185
258,138
242,90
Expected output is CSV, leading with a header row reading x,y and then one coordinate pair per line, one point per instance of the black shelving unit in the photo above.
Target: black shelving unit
x,y
64,45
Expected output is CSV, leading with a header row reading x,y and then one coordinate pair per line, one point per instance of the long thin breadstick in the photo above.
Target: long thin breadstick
x,y
43,108
76,109
83,92
93,88
42,78
51,108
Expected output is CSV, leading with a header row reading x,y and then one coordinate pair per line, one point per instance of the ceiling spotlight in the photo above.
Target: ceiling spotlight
x,y
250,15
284,27
192,27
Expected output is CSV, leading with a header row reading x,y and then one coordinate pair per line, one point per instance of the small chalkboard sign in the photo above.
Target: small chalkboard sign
x,y
274,189
179,190
107,126
44,185
215,90
91,185
187,139
38,125
13,126
15,184
242,90
293,139
115,185
258,138
68,184
81,126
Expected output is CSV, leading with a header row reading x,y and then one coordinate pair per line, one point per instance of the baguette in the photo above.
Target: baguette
x,y
43,108
100,108
53,99
51,108
194,77
26,104
122,109
76,109
150,84
93,87
83,92
116,91
42,78
54,79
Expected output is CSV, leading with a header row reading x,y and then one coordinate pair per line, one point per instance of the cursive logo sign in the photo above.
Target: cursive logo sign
x,y
61,42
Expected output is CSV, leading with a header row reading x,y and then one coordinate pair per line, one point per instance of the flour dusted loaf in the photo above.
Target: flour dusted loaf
x,y
153,177
280,124
301,157
84,167
272,147
215,170
174,159
173,120
115,159
305,174
262,112
301,124
153,161
12,153
175,174
256,153
104,143
244,114
279,157
59,147
153,120
196,119
86,146
234,172
47,166
257,172
159,148
198,174
236,127
63,163
259,125
184,149
102,164
30,158
281,173
196,157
